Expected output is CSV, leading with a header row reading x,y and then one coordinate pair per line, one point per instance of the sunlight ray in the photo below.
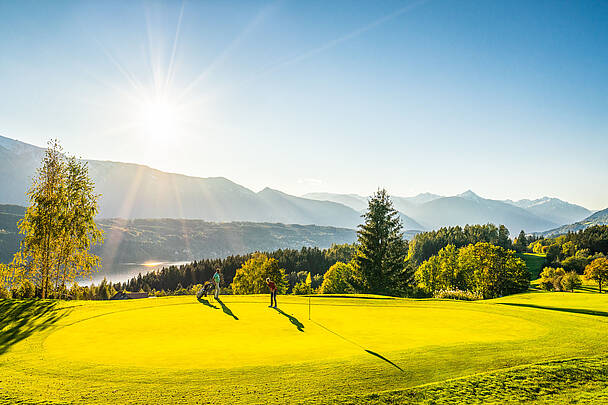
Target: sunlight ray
x,y
171,69
136,84
113,241
259,17
154,56
181,216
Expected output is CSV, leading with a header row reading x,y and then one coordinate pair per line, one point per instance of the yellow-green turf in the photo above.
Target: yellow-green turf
x,y
534,262
177,349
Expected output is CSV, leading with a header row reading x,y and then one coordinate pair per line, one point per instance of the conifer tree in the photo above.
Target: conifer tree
x,y
381,249
521,243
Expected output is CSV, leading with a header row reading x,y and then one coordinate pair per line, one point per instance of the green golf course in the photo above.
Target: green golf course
x,y
353,348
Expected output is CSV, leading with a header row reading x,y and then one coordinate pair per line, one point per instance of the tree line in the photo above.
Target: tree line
x,y
296,266
471,262
573,255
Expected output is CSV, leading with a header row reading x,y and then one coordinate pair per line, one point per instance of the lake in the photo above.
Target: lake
x,y
125,271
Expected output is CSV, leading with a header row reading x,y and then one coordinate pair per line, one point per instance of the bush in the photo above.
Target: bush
x,y
4,293
195,288
76,292
182,291
418,292
302,288
570,281
25,290
551,278
458,295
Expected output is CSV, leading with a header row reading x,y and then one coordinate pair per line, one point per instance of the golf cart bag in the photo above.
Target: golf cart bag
x,y
207,288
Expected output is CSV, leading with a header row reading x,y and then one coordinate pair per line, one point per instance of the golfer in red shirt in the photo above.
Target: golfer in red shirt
x,y
273,292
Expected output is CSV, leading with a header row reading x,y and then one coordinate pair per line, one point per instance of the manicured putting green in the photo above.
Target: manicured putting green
x,y
179,350
241,331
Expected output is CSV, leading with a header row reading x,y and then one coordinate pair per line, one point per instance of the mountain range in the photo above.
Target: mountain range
x,y
432,211
135,191
597,218
161,239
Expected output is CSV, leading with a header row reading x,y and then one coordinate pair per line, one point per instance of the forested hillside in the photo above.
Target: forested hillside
x,y
598,218
139,240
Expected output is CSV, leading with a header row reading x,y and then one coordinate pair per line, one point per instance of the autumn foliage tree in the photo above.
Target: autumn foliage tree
x,y
597,270
59,228
251,277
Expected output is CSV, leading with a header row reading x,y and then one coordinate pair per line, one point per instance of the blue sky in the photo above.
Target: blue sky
x,y
507,98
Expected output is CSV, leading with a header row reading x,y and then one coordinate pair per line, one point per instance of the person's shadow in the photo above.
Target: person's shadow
x,y
207,303
292,319
227,310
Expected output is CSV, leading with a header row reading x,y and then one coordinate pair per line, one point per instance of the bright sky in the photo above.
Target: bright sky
x,y
507,98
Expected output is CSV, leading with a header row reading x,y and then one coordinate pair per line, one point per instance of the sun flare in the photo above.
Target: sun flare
x,y
158,116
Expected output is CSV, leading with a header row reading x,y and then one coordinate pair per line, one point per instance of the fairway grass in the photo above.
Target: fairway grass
x,y
178,349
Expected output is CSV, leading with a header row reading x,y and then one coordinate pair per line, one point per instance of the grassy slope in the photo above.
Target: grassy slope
x,y
534,263
177,349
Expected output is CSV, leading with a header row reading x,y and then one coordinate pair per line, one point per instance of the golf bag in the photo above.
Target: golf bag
x,y
207,288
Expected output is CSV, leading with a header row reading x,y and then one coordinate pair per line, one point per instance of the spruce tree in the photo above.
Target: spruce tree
x,y
381,249
521,244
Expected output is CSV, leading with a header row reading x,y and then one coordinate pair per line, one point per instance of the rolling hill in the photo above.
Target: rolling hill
x,y
136,191
598,218
157,239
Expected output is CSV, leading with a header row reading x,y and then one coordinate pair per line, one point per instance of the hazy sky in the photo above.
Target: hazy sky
x,y
507,98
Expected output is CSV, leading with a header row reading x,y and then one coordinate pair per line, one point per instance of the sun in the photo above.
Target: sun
x,y
158,116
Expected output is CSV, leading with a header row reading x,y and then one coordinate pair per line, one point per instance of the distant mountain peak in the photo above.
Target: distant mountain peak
x,y
268,190
469,195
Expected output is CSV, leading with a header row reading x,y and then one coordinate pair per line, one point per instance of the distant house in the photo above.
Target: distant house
x,y
125,295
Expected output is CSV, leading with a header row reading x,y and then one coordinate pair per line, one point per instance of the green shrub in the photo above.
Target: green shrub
x,y
458,295
302,288
551,278
570,281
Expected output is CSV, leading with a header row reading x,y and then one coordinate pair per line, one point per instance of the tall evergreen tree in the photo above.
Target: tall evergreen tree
x,y
381,249
521,243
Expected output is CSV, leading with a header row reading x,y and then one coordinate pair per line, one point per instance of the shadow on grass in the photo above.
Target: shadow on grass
x,y
383,358
292,319
20,319
572,310
207,303
227,310
586,288
348,296
379,356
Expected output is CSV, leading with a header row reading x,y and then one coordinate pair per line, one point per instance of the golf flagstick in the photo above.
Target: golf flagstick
x,y
309,308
